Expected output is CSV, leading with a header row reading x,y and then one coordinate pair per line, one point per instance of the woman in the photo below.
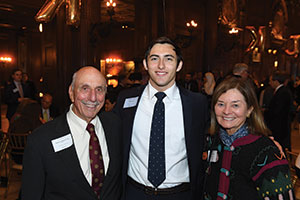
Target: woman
x,y
243,163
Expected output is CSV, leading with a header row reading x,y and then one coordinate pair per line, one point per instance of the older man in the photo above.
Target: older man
x,y
48,111
77,155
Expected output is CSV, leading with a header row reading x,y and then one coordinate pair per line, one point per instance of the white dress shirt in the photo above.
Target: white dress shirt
x,y
81,138
279,86
177,170
20,89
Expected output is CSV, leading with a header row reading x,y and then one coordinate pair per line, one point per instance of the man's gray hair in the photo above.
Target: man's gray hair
x,y
240,67
73,80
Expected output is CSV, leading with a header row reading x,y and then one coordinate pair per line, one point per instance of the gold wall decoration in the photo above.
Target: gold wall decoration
x,y
51,7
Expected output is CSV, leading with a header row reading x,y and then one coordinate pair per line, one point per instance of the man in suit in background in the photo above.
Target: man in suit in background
x,y
48,112
14,93
63,158
279,110
179,163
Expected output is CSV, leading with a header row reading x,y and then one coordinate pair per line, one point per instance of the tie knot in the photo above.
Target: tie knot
x,y
90,128
160,95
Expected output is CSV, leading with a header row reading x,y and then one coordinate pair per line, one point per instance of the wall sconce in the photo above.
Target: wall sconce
x,y
233,31
275,63
192,24
113,60
41,27
185,41
5,59
111,8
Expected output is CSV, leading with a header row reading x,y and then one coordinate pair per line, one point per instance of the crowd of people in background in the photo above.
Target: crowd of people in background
x,y
283,107
261,109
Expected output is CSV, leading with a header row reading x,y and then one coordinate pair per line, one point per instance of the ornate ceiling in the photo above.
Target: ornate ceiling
x,y
18,14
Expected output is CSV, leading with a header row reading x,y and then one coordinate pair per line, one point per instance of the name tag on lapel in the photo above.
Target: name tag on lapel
x,y
130,102
214,156
62,143
15,90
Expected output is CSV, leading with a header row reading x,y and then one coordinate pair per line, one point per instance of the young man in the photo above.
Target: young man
x,y
77,155
178,172
14,93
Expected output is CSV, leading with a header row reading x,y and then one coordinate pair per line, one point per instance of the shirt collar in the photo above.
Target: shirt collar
x,y
80,122
279,86
172,92
17,83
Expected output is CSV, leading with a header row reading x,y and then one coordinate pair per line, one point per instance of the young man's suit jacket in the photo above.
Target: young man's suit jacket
x,y
11,95
278,116
195,116
58,175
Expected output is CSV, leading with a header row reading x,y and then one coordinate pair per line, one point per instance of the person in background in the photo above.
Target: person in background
x,y
198,78
135,78
209,86
27,120
278,114
122,83
110,101
48,111
241,70
242,161
78,154
14,93
189,83
175,133
209,83
29,86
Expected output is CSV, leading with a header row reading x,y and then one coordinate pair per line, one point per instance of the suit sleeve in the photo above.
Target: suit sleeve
x,y
9,96
33,176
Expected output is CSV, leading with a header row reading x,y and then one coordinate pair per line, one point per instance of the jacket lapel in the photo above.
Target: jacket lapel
x,y
187,114
129,119
70,159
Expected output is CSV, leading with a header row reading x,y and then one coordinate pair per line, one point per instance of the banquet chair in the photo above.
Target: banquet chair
x,y
291,157
16,146
3,148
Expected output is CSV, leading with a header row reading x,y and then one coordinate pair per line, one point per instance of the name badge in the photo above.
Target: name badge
x,y
15,90
130,102
214,156
62,143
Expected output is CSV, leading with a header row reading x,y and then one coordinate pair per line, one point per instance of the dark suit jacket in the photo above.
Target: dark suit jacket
x,y
11,95
278,116
58,175
195,121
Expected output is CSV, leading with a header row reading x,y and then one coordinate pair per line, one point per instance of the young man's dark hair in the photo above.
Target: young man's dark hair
x,y
164,40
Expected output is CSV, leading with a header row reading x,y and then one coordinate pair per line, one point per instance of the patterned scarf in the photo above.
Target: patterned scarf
x,y
229,139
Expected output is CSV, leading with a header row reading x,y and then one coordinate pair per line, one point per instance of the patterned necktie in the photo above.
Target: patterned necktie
x,y
20,90
97,165
156,162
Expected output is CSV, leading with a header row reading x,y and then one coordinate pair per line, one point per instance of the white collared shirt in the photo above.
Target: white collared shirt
x,y
20,89
177,170
81,138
